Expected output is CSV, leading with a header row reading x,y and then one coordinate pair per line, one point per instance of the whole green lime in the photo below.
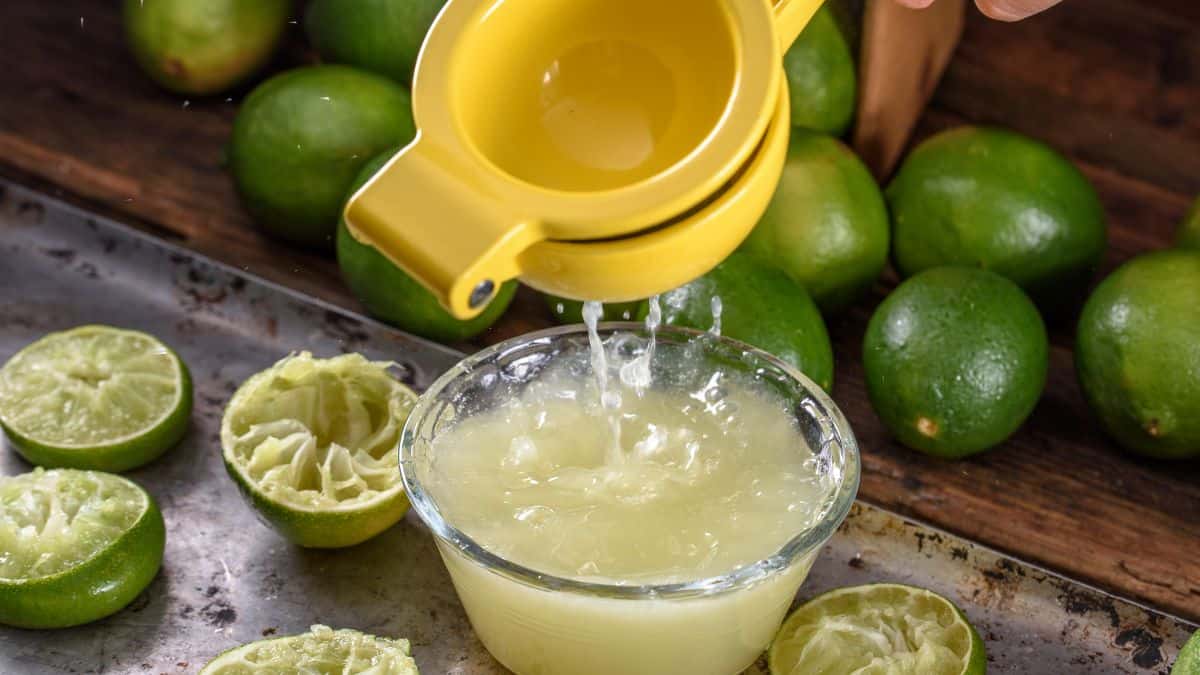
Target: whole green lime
x,y
1188,662
821,76
390,294
1189,231
383,36
571,311
826,225
760,306
998,200
203,47
300,139
955,360
1137,353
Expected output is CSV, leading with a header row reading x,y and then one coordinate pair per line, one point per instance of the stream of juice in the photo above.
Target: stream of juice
x,y
621,479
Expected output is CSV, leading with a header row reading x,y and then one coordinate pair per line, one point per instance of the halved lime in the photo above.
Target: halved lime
x,y
1188,662
877,629
75,546
320,650
95,397
313,444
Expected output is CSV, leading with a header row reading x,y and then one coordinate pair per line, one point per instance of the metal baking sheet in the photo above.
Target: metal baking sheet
x,y
228,579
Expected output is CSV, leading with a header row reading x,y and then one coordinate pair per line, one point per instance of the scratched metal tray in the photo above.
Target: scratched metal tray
x,y
227,579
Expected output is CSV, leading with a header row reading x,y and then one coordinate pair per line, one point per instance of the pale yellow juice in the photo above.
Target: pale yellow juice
x,y
646,485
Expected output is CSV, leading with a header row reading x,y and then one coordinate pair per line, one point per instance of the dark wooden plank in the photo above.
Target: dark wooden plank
x,y
1114,83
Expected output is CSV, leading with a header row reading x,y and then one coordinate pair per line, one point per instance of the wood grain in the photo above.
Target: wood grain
x,y
1113,83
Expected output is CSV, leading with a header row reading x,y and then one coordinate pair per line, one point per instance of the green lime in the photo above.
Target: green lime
x,y
571,311
383,36
322,650
77,546
1189,231
204,47
877,628
827,225
955,360
95,397
994,199
312,444
390,294
302,136
821,76
1188,662
760,306
1137,353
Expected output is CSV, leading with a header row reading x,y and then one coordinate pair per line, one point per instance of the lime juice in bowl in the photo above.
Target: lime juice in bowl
x,y
651,506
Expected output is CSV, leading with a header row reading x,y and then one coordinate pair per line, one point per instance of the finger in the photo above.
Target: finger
x,y
1013,10
916,4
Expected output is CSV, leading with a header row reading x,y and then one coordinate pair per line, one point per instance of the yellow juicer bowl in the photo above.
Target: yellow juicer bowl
x,y
676,251
598,149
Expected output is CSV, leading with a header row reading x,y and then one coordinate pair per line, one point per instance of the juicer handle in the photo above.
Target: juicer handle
x,y
791,16
446,232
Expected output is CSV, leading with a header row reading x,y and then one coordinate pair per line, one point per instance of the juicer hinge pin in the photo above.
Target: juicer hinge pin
x,y
481,293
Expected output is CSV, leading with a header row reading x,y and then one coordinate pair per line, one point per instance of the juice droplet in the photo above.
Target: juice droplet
x,y
715,304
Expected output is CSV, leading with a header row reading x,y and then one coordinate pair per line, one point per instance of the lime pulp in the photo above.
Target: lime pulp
x,y
313,445
878,629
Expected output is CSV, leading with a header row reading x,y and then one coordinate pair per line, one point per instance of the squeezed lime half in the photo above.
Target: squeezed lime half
x,y
322,651
313,444
95,397
75,546
877,629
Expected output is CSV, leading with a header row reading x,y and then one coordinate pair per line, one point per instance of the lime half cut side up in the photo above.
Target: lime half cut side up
x,y
321,650
95,397
75,546
313,444
877,629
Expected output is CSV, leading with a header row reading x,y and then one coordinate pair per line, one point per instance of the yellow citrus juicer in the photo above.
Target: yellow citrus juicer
x,y
597,149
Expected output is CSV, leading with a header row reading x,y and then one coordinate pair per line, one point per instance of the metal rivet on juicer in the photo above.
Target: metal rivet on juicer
x,y
482,293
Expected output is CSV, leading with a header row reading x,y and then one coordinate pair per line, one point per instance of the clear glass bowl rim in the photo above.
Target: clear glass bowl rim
x,y
805,542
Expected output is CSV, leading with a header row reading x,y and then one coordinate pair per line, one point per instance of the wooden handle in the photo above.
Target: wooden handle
x,y
904,53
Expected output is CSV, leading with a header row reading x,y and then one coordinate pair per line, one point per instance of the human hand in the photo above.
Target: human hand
x,y
1003,10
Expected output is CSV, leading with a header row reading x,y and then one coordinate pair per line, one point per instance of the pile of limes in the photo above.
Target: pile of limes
x,y
306,138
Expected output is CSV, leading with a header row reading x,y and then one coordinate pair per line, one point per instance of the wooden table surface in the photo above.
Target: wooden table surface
x,y
1113,83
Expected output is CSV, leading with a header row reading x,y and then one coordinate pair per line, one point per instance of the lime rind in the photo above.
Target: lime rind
x,y
879,629
75,546
313,443
322,650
